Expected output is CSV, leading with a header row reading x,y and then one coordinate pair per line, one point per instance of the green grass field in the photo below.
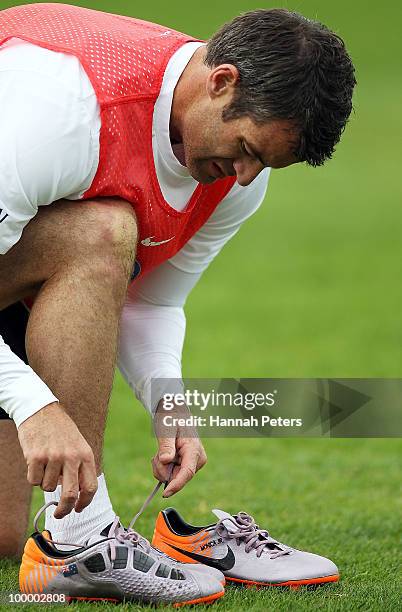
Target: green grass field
x,y
311,287
334,497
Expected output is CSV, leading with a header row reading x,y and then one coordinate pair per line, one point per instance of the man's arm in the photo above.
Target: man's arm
x,y
46,126
22,392
49,134
153,320
44,156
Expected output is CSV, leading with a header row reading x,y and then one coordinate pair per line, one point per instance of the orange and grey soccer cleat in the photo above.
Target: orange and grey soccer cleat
x,y
241,550
120,567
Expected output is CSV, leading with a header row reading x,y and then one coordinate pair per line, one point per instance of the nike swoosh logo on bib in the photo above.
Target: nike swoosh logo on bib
x,y
224,564
149,241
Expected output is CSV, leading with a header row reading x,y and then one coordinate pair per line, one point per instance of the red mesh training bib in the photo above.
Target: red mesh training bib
x,y
125,59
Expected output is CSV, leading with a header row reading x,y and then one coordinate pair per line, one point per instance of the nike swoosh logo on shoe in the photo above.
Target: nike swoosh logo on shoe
x,y
224,564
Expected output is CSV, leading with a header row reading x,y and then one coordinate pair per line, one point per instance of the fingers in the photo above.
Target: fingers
x,y
69,490
167,450
88,485
186,472
79,482
191,460
55,449
51,476
79,485
160,470
36,470
164,457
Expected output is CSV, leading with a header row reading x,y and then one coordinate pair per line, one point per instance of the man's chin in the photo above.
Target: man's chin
x,y
208,181
200,175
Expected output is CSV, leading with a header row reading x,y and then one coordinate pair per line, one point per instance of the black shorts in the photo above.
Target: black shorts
x,y
13,325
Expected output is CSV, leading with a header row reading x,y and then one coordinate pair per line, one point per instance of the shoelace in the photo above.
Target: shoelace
x,y
116,532
254,537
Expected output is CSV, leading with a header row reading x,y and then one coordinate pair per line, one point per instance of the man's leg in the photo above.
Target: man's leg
x,y
79,257
15,492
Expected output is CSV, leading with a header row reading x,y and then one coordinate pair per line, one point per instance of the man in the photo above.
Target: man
x,y
155,148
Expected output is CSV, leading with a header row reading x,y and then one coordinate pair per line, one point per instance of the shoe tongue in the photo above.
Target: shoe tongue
x,y
94,539
97,537
226,518
105,531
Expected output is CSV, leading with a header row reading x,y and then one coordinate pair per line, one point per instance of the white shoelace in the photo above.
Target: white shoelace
x,y
117,531
255,538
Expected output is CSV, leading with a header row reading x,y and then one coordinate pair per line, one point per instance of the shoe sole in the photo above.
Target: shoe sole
x,y
191,602
105,599
208,599
293,584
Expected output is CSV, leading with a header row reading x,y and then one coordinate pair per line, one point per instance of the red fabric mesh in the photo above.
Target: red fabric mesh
x,y
125,59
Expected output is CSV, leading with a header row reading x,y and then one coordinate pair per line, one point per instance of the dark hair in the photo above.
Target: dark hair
x,y
289,68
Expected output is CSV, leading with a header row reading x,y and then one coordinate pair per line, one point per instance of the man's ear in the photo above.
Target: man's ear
x,y
221,80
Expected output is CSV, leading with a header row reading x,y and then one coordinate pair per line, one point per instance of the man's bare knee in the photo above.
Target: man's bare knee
x,y
91,235
115,233
108,252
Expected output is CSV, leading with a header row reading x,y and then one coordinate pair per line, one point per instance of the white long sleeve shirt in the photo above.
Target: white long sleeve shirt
x,y
49,150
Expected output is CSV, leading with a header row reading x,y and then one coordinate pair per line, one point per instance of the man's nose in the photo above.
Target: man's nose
x,y
246,171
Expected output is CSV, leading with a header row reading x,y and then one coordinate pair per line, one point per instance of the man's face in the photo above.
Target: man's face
x,y
214,148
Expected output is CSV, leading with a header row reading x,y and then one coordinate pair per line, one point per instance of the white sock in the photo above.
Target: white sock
x,y
78,527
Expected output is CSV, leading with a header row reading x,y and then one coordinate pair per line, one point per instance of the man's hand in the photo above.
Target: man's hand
x,y
55,450
180,444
